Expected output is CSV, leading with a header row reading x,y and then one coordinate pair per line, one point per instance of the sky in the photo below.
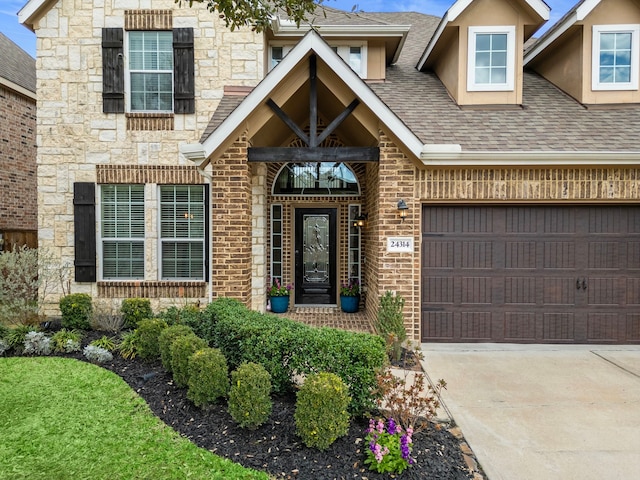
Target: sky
x,y
26,39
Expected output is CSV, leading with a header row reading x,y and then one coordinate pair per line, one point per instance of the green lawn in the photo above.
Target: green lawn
x,y
65,419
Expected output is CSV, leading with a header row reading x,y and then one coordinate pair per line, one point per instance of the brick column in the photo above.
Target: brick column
x,y
398,272
231,224
259,238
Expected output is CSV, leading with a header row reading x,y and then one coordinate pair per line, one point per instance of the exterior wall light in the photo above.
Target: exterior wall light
x,y
402,209
360,221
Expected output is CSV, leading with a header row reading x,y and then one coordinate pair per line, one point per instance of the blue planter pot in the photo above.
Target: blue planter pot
x,y
349,304
279,304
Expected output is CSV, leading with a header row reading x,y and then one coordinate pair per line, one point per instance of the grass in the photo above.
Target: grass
x,y
65,419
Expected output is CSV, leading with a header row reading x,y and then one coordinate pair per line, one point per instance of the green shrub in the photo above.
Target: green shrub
x,y
181,350
284,348
166,338
249,397
16,336
135,309
148,332
208,377
390,323
321,414
128,346
37,343
4,330
76,310
105,342
66,341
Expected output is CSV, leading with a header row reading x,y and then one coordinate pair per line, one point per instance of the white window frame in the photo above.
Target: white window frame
x,y
202,240
472,86
128,72
103,239
634,30
343,50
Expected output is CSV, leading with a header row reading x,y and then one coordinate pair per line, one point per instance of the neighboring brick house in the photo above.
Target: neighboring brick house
x,y
18,193
184,162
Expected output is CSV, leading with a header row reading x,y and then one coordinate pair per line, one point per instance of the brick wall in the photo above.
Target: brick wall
x,y
18,187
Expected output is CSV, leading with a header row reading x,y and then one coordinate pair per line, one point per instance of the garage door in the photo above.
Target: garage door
x,y
531,274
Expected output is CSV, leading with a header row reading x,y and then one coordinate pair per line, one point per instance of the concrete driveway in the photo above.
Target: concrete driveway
x,y
544,412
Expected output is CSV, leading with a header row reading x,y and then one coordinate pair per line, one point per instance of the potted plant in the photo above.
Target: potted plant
x,y
350,296
279,295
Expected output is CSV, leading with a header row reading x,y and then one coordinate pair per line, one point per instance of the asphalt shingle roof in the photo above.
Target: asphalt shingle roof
x,y
548,120
16,65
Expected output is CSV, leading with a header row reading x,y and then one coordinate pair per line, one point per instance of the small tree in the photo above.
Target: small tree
x,y
390,323
27,277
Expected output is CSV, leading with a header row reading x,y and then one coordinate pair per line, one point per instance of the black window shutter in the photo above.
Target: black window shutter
x,y
84,223
112,70
183,71
207,241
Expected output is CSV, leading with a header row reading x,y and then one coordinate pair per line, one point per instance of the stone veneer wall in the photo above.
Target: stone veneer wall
x,y
75,136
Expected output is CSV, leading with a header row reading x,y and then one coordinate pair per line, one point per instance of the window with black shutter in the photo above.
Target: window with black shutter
x,y
152,57
84,222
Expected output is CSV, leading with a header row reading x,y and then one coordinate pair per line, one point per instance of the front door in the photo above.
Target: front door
x,y
315,262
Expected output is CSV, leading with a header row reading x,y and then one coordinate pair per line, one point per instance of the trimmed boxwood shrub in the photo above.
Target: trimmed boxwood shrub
x,y
208,377
321,410
250,395
76,310
135,309
284,348
148,332
166,338
181,350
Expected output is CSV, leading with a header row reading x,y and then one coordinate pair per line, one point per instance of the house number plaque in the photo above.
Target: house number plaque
x,y
400,244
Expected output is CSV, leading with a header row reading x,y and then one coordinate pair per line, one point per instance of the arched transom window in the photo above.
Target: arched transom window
x,y
316,178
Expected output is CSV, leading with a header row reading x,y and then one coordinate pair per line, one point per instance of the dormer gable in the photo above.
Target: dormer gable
x,y
476,50
369,45
593,52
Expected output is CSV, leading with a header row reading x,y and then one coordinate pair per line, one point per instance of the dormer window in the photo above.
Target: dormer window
x,y
354,54
615,57
491,58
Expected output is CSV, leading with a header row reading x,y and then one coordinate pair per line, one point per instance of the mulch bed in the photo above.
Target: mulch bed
x,y
274,447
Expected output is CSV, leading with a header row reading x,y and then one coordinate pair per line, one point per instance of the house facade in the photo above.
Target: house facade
x,y
18,199
453,161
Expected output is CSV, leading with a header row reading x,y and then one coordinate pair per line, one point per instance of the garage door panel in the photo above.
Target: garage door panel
x,y
559,255
440,255
520,255
477,255
559,291
476,290
632,261
475,326
632,327
520,291
633,291
558,220
603,291
438,290
604,256
520,327
438,325
559,327
603,327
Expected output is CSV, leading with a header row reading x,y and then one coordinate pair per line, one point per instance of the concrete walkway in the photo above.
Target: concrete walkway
x,y
544,412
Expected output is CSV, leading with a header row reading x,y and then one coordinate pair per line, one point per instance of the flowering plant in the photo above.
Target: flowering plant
x,y
351,289
278,290
389,447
